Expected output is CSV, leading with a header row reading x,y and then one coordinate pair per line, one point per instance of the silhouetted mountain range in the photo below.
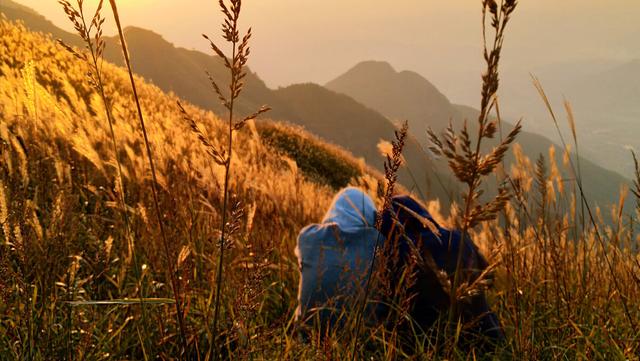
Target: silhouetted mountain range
x,y
325,113
407,95
374,96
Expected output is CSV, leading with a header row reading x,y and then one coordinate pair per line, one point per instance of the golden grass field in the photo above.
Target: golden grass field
x,y
561,283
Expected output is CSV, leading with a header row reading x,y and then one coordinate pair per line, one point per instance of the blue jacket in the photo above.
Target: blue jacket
x,y
334,256
413,222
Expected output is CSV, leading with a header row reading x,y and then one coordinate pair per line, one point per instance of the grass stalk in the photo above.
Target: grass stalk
x,y
391,166
467,162
154,184
225,194
95,46
585,249
235,65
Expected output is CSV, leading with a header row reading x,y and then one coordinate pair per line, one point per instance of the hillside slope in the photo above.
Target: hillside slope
x,y
53,121
182,72
65,235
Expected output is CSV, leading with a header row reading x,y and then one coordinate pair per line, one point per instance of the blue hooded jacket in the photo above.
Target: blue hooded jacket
x,y
334,256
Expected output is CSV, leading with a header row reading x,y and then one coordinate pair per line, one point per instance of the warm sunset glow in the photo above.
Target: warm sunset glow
x,y
412,34
348,180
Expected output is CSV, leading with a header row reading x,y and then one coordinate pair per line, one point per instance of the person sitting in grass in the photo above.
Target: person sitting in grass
x,y
419,258
334,258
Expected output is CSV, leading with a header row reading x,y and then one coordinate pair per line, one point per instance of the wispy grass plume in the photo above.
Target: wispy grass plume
x,y
154,185
392,164
235,63
466,160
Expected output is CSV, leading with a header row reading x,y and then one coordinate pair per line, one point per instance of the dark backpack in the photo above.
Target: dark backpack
x,y
416,246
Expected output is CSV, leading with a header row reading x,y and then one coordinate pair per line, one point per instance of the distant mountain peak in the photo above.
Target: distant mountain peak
x,y
373,66
397,95
146,33
9,4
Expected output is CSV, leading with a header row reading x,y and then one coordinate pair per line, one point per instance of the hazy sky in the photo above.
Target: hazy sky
x,y
316,40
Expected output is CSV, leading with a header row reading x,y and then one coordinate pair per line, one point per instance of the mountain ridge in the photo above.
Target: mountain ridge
x,y
409,96
600,184
395,92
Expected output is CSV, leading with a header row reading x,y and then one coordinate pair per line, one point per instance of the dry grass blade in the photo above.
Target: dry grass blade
x,y
571,119
391,166
154,184
216,88
240,124
636,182
466,161
124,302
547,103
235,64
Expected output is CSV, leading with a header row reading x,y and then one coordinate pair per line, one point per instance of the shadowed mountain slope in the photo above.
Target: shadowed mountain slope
x,y
408,95
325,112
36,22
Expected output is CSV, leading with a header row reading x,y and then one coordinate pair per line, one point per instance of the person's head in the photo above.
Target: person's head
x,y
351,208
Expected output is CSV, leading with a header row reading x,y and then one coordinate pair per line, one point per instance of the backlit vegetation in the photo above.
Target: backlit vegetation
x,y
565,286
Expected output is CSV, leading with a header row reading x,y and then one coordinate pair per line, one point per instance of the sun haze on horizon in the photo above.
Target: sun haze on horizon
x,y
305,40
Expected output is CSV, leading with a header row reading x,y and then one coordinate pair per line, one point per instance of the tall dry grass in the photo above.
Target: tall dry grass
x,y
563,288
222,157
91,35
465,158
73,224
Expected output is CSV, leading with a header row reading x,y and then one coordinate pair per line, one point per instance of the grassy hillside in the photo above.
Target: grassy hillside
x,y
392,94
562,289
59,207
320,111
